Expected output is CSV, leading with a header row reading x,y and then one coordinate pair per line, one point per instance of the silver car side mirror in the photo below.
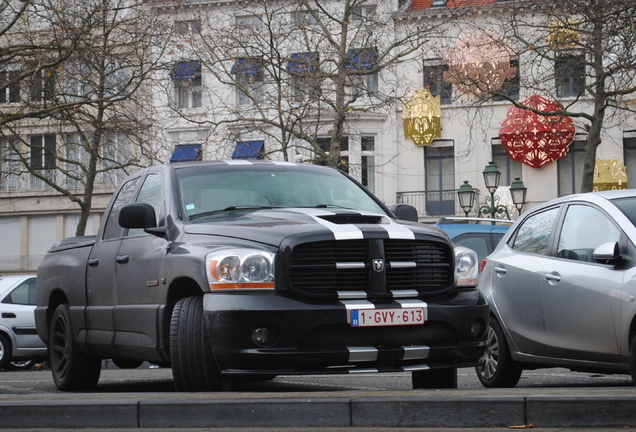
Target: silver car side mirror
x,y
607,253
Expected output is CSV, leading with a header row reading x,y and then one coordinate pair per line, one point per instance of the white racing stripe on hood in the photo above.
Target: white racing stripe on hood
x,y
340,232
397,231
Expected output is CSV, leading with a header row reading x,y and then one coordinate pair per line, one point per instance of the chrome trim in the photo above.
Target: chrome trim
x,y
404,293
349,265
416,352
402,264
362,354
352,294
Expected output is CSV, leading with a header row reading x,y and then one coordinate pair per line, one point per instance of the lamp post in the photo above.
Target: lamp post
x,y
466,195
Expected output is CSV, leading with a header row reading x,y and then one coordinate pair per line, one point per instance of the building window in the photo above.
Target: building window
x,y
187,84
115,156
434,81
42,85
512,85
343,159
9,164
508,168
569,74
42,152
304,68
188,27
249,150
77,159
362,62
252,22
9,87
367,175
249,80
359,13
187,153
439,163
629,156
570,169
305,17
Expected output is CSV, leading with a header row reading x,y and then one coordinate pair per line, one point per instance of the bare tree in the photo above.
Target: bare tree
x,y
298,72
581,53
99,120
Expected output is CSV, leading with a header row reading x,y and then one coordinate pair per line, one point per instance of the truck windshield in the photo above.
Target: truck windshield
x,y
209,191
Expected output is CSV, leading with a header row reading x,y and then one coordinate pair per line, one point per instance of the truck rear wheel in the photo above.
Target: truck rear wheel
x,y
72,370
193,365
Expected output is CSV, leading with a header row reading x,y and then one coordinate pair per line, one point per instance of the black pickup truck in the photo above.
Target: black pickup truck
x,y
225,270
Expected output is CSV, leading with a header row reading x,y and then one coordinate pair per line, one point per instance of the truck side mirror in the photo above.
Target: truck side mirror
x,y
137,215
405,212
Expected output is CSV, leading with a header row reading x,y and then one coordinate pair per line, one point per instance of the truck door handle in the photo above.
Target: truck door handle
x,y
122,259
8,315
93,262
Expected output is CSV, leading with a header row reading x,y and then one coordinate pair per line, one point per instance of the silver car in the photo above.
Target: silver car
x,y
20,346
562,289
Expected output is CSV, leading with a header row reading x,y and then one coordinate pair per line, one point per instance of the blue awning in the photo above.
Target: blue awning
x,y
186,153
303,63
249,66
361,59
248,150
185,70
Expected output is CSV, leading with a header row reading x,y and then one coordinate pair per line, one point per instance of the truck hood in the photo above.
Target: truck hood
x,y
273,226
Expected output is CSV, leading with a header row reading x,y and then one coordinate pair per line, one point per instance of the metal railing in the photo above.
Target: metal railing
x,y
432,202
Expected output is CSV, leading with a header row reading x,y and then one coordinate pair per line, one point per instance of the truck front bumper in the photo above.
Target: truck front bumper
x,y
271,334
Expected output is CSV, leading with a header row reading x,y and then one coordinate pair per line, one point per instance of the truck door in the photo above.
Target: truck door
x,y
101,273
140,291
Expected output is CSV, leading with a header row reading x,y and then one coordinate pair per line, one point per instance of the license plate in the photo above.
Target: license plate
x,y
386,317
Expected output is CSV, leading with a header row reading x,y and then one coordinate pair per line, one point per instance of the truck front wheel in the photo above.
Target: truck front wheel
x,y
193,365
72,370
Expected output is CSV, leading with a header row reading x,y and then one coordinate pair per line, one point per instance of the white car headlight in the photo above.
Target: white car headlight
x,y
466,265
240,269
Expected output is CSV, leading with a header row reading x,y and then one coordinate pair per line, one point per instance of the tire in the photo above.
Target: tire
x,y
497,369
435,379
72,370
20,365
127,364
632,360
6,351
193,365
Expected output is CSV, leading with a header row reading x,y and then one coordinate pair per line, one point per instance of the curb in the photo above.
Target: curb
x,y
390,411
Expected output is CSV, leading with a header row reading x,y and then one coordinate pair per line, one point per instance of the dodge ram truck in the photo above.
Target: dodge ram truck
x,y
230,270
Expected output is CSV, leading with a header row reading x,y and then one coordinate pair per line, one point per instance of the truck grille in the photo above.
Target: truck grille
x,y
330,268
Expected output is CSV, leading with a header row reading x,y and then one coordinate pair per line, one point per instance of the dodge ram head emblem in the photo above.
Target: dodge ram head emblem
x,y
378,265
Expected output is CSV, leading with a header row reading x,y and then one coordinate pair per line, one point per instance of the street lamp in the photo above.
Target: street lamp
x,y
466,196
518,192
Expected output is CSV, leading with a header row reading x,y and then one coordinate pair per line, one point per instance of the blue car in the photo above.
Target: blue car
x,y
481,237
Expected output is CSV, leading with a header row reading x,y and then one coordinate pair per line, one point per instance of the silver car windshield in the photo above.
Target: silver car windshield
x,y
218,191
627,206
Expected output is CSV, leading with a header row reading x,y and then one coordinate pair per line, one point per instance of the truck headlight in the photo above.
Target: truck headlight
x,y
240,269
466,266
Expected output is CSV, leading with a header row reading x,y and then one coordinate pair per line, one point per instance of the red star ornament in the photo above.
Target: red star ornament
x,y
536,139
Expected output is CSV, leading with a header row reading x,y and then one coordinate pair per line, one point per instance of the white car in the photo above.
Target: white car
x,y
20,346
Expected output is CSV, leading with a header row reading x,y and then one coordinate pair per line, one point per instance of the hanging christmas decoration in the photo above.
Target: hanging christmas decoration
x,y
422,117
609,174
536,139
479,63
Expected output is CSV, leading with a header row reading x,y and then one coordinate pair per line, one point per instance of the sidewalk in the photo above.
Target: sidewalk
x,y
417,408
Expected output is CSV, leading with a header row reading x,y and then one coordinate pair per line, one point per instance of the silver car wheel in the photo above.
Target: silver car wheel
x,y
490,359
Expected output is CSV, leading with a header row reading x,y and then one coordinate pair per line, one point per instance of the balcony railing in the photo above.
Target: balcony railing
x,y
432,202
28,182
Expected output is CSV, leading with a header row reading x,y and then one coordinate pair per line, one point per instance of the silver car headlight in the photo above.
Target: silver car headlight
x,y
240,269
466,265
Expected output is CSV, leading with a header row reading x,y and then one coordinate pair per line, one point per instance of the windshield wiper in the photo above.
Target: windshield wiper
x,y
228,209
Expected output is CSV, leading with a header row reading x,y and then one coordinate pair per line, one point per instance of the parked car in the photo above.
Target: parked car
x,y
561,289
20,346
227,270
480,235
